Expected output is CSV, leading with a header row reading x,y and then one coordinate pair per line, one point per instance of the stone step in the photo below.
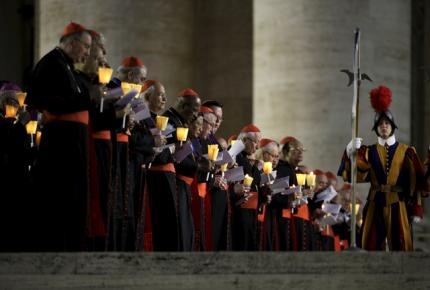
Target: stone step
x,y
223,270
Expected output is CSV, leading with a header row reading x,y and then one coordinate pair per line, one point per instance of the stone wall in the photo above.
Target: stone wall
x,y
299,48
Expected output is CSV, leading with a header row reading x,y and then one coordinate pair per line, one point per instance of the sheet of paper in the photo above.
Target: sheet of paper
x,y
182,153
234,174
226,158
326,195
113,94
126,98
283,183
237,147
331,208
141,112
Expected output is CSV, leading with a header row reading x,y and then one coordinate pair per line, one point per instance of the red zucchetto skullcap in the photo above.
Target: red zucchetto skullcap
x,y
131,61
345,187
250,128
147,84
204,109
188,93
94,34
265,141
330,175
73,27
287,139
318,172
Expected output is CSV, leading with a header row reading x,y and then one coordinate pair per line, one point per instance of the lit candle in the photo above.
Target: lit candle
x,y
213,151
301,178
126,87
224,167
20,96
31,127
105,74
10,111
161,122
232,142
310,179
181,134
267,167
138,88
38,137
247,181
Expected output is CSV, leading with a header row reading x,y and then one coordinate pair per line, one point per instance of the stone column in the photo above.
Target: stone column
x,y
299,48
159,32
223,54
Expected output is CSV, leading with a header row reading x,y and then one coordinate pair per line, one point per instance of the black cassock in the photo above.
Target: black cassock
x,y
244,223
14,197
60,172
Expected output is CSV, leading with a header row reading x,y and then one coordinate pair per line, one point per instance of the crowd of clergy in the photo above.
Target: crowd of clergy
x,y
92,160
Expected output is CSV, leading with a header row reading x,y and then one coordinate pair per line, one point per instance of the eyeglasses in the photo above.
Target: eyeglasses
x,y
253,141
274,156
207,122
298,149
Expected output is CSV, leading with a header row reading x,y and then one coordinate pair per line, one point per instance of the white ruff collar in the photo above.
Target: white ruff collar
x,y
390,140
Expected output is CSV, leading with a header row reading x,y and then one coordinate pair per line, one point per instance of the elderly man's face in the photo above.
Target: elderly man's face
x,y
271,155
208,125
157,100
251,143
190,108
137,77
295,155
80,48
218,114
95,60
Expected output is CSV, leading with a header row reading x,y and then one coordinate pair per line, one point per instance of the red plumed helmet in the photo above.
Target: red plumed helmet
x,y
380,99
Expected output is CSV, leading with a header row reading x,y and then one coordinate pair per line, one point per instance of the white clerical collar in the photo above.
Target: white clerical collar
x,y
390,140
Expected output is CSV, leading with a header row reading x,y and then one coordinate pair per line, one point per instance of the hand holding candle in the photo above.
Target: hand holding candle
x,y
247,181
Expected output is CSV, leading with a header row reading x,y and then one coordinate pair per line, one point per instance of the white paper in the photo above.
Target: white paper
x,y
234,174
219,158
141,113
169,130
331,208
236,148
326,195
182,153
226,158
328,220
126,98
113,94
160,149
264,178
282,183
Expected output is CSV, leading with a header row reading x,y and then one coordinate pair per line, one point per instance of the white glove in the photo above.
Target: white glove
x,y
353,145
416,219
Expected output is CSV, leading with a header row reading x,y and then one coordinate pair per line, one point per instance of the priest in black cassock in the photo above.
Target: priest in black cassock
x,y
61,169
